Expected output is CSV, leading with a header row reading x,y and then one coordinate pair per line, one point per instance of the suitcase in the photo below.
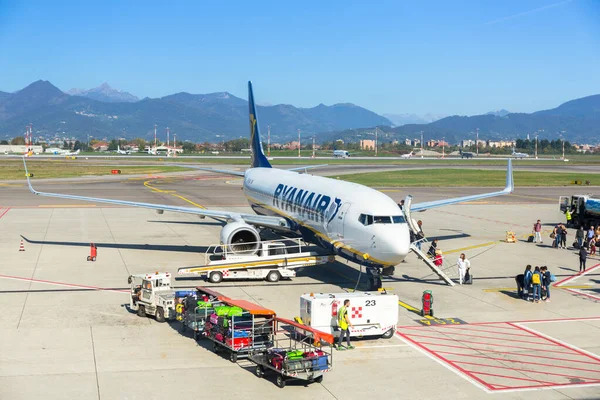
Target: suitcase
x,y
295,365
277,361
214,319
530,239
219,337
320,363
468,277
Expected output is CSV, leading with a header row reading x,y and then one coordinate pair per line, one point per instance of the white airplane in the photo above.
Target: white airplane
x,y
341,154
353,221
519,155
56,150
124,152
407,155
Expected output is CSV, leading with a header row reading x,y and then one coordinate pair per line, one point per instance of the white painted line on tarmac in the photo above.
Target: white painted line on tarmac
x,y
576,276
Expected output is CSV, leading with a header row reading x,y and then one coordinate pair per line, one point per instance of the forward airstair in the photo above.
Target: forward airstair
x,y
415,246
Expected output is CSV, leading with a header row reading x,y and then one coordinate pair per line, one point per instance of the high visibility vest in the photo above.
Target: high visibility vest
x,y
342,323
568,214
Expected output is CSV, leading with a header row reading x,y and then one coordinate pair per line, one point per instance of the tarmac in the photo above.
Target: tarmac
x,y
65,331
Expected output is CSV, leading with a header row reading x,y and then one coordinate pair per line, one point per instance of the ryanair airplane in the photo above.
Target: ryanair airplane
x,y
353,221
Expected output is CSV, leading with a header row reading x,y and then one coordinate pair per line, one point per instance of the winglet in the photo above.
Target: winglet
x,y
258,156
510,185
31,189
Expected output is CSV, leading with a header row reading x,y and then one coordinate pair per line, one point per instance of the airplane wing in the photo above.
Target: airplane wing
x,y
261,220
307,167
241,173
509,188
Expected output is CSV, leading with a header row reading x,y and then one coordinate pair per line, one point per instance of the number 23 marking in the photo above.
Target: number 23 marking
x,y
370,303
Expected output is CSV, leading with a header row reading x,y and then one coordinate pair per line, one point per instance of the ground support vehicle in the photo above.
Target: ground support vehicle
x,y
269,260
196,307
239,329
371,313
299,352
584,208
151,294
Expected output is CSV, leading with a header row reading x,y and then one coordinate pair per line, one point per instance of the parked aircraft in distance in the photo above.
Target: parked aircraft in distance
x,y
124,152
407,155
466,154
341,154
356,222
519,155
62,152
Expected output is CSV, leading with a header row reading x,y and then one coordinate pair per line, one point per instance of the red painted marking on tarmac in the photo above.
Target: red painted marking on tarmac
x,y
530,370
581,273
484,337
486,331
5,211
544,383
20,278
583,294
436,355
506,352
498,323
556,342
521,361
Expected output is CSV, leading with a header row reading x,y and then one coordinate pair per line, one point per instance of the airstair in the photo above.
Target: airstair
x,y
415,247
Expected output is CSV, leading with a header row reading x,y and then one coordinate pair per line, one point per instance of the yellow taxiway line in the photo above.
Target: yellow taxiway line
x,y
472,247
172,193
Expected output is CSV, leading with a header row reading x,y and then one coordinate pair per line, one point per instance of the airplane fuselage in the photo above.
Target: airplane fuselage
x,y
352,220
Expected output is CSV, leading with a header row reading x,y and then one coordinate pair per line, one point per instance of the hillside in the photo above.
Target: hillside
x,y
196,117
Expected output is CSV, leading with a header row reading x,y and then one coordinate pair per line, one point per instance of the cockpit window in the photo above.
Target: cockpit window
x,y
382,219
365,219
398,219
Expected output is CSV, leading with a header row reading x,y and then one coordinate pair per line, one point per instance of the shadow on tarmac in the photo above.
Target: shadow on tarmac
x,y
201,223
129,246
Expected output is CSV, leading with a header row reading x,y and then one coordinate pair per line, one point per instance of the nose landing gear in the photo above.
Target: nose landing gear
x,y
373,278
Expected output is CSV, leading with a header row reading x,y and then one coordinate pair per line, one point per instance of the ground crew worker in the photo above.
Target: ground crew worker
x,y
343,323
568,215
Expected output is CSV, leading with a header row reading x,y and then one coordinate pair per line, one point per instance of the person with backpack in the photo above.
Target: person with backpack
x,y
536,281
582,258
526,282
519,279
556,233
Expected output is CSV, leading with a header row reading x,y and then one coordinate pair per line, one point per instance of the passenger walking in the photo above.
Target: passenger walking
x,y
526,282
344,323
582,258
519,279
432,248
593,246
537,231
401,204
419,236
546,281
463,266
536,281
579,235
590,233
563,236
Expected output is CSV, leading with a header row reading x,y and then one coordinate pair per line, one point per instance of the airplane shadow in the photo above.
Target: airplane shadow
x,y
448,237
208,223
128,246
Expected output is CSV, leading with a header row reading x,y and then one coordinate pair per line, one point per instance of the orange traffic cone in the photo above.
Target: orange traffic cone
x,y
22,246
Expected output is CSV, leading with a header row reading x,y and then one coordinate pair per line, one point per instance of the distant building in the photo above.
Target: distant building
x,y
407,142
467,143
100,146
367,144
416,142
500,143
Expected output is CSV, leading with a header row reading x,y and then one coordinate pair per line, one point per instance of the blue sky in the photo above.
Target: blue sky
x,y
461,57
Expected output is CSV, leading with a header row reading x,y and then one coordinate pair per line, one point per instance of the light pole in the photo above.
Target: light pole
x,y
313,156
536,141
563,143
298,142
154,137
421,144
375,141
477,141
443,146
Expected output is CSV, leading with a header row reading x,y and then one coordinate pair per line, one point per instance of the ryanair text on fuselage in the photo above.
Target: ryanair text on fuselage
x,y
312,205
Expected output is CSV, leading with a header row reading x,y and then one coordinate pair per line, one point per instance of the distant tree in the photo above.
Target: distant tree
x,y
18,141
139,143
112,146
77,145
4,142
188,147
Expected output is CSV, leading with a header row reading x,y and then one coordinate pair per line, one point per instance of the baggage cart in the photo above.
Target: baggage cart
x,y
194,315
249,330
299,352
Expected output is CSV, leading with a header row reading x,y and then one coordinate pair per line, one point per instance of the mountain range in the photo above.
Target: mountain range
x,y
197,117
106,112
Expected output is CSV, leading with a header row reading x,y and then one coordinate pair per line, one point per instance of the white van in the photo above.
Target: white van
x,y
371,313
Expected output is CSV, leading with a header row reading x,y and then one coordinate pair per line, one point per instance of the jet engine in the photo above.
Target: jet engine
x,y
240,238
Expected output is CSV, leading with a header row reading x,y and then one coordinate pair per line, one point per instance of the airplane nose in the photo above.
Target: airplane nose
x,y
395,245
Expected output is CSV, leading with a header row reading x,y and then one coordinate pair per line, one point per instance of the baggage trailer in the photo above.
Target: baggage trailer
x,y
299,352
269,260
371,313
197,306
244,328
